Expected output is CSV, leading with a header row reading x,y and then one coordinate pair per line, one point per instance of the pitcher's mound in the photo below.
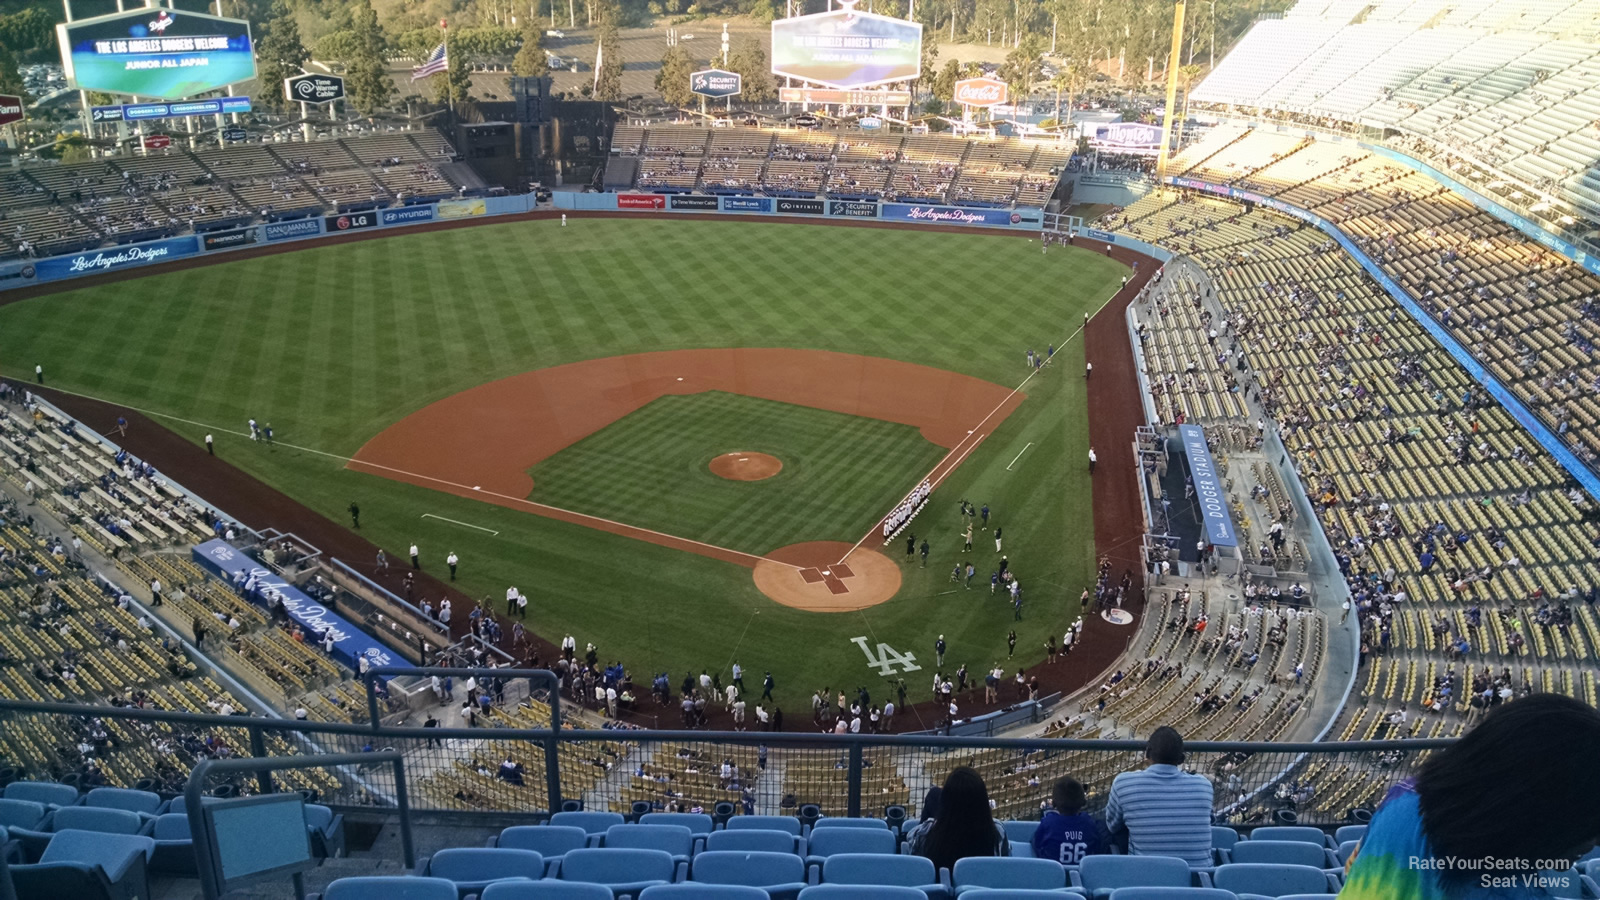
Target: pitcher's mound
x,y
815,580
746,467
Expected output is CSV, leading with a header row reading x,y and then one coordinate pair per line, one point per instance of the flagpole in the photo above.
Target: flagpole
x,y
449,88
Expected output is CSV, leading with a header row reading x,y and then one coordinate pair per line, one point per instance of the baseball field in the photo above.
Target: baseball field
x,y
633,420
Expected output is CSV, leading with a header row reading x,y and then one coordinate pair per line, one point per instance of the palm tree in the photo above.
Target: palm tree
x,y
1186,77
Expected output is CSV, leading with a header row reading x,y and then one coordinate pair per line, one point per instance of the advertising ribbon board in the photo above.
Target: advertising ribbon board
x,y
352,221
463,209
693,201
223,240
950,215
860,209
847,98
1209,493
747,204
641,201
789,206
406,214
263,587
115,258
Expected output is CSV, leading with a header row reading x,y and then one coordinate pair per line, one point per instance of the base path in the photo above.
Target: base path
x,y
481,442
745,466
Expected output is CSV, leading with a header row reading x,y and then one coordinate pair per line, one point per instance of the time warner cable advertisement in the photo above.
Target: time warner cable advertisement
x,y
164,54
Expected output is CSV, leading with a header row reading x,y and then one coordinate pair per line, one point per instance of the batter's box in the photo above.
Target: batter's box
x,y
835,585
811,576
841,570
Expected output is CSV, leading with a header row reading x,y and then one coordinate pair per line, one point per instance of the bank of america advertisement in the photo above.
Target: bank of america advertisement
x,y
163,54
847,49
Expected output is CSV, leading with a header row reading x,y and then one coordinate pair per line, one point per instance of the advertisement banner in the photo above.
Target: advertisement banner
x,y
1099,235
747,204
166,54
10,109
847,48
715,83
848,98
223,240
405,214
462,209
641,201
981,92
282,231
111,259
693,201
1209,493
263,587
314,88
789,206
862,209
950,215
351,221
1127,137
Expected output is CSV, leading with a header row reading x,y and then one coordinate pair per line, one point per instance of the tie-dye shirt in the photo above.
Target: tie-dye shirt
x,y
1394,859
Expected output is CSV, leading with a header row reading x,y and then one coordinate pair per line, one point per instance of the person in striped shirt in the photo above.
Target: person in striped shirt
x,y
1163,810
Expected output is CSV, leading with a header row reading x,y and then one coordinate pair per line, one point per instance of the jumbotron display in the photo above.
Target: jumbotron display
x,y
162,54
846,49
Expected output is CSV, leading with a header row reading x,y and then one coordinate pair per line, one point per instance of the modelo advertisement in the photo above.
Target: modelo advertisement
x,y
351,221
693,202
641,201
858,209
164,54
847,49
789,206
227,240
299,228
406,215
950,215
92,262
747,204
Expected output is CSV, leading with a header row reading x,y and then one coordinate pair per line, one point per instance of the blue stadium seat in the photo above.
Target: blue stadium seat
x,y
122,860
1568,884
846,822
698,823
174,853
825,842
677,840
1349,833
326,829
1307,896
177,804
472,869
703,892
781,875
1222,841
1265,880
892,871
390,887
1284,853
593,824
1303,833
145,803
860,892
1018,894
760,840
550,841
1100,875
1170,894
1009,874
1020,832
545,890
1345,850
789,824
24,814
624,870
47,792
80,818
66,881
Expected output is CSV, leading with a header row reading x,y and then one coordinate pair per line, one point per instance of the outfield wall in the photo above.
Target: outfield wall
x,y
26,273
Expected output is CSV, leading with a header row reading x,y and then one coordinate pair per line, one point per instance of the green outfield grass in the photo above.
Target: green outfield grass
x,y
333,344
651,469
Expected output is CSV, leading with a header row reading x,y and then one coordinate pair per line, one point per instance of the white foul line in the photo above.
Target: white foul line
x,y
462,524
1018,456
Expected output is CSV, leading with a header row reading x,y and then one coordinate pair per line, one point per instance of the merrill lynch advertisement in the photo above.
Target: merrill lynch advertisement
x,y
114,258
747,204
950,215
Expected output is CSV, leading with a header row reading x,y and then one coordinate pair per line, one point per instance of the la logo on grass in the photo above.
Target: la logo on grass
x,y
887,657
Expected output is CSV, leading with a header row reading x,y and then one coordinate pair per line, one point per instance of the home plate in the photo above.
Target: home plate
x,y
477,487
680,377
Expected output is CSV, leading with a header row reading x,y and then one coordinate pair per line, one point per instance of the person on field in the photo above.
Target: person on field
x,y
997,538
924,553
211,450
451,561
1092,460
416,560
984,513
266,432
355,512
967,536
766,687
911,544
38,374
255,431
522,605
938,650
1088,369
971,571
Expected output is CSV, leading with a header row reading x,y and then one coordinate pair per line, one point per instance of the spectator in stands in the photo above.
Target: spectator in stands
x,y
1523,785
963,824
1066,833
1162,810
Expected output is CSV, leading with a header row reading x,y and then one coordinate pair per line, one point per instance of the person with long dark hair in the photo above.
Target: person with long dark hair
x,y
963,824
1519,794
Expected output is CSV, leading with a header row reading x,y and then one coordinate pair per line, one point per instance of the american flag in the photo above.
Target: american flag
x,y
435,63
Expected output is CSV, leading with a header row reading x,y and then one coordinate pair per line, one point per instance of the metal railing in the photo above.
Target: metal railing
x,y
522,772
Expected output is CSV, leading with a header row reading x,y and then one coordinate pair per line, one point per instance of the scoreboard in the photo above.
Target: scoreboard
x,y
163,54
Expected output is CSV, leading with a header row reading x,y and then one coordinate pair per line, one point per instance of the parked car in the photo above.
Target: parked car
x,y
555,33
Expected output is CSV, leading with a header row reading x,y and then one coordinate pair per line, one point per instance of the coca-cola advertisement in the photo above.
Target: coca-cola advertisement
x,y
981,92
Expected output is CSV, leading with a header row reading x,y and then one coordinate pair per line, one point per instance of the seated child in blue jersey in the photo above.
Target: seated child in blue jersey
x,y
1068,834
